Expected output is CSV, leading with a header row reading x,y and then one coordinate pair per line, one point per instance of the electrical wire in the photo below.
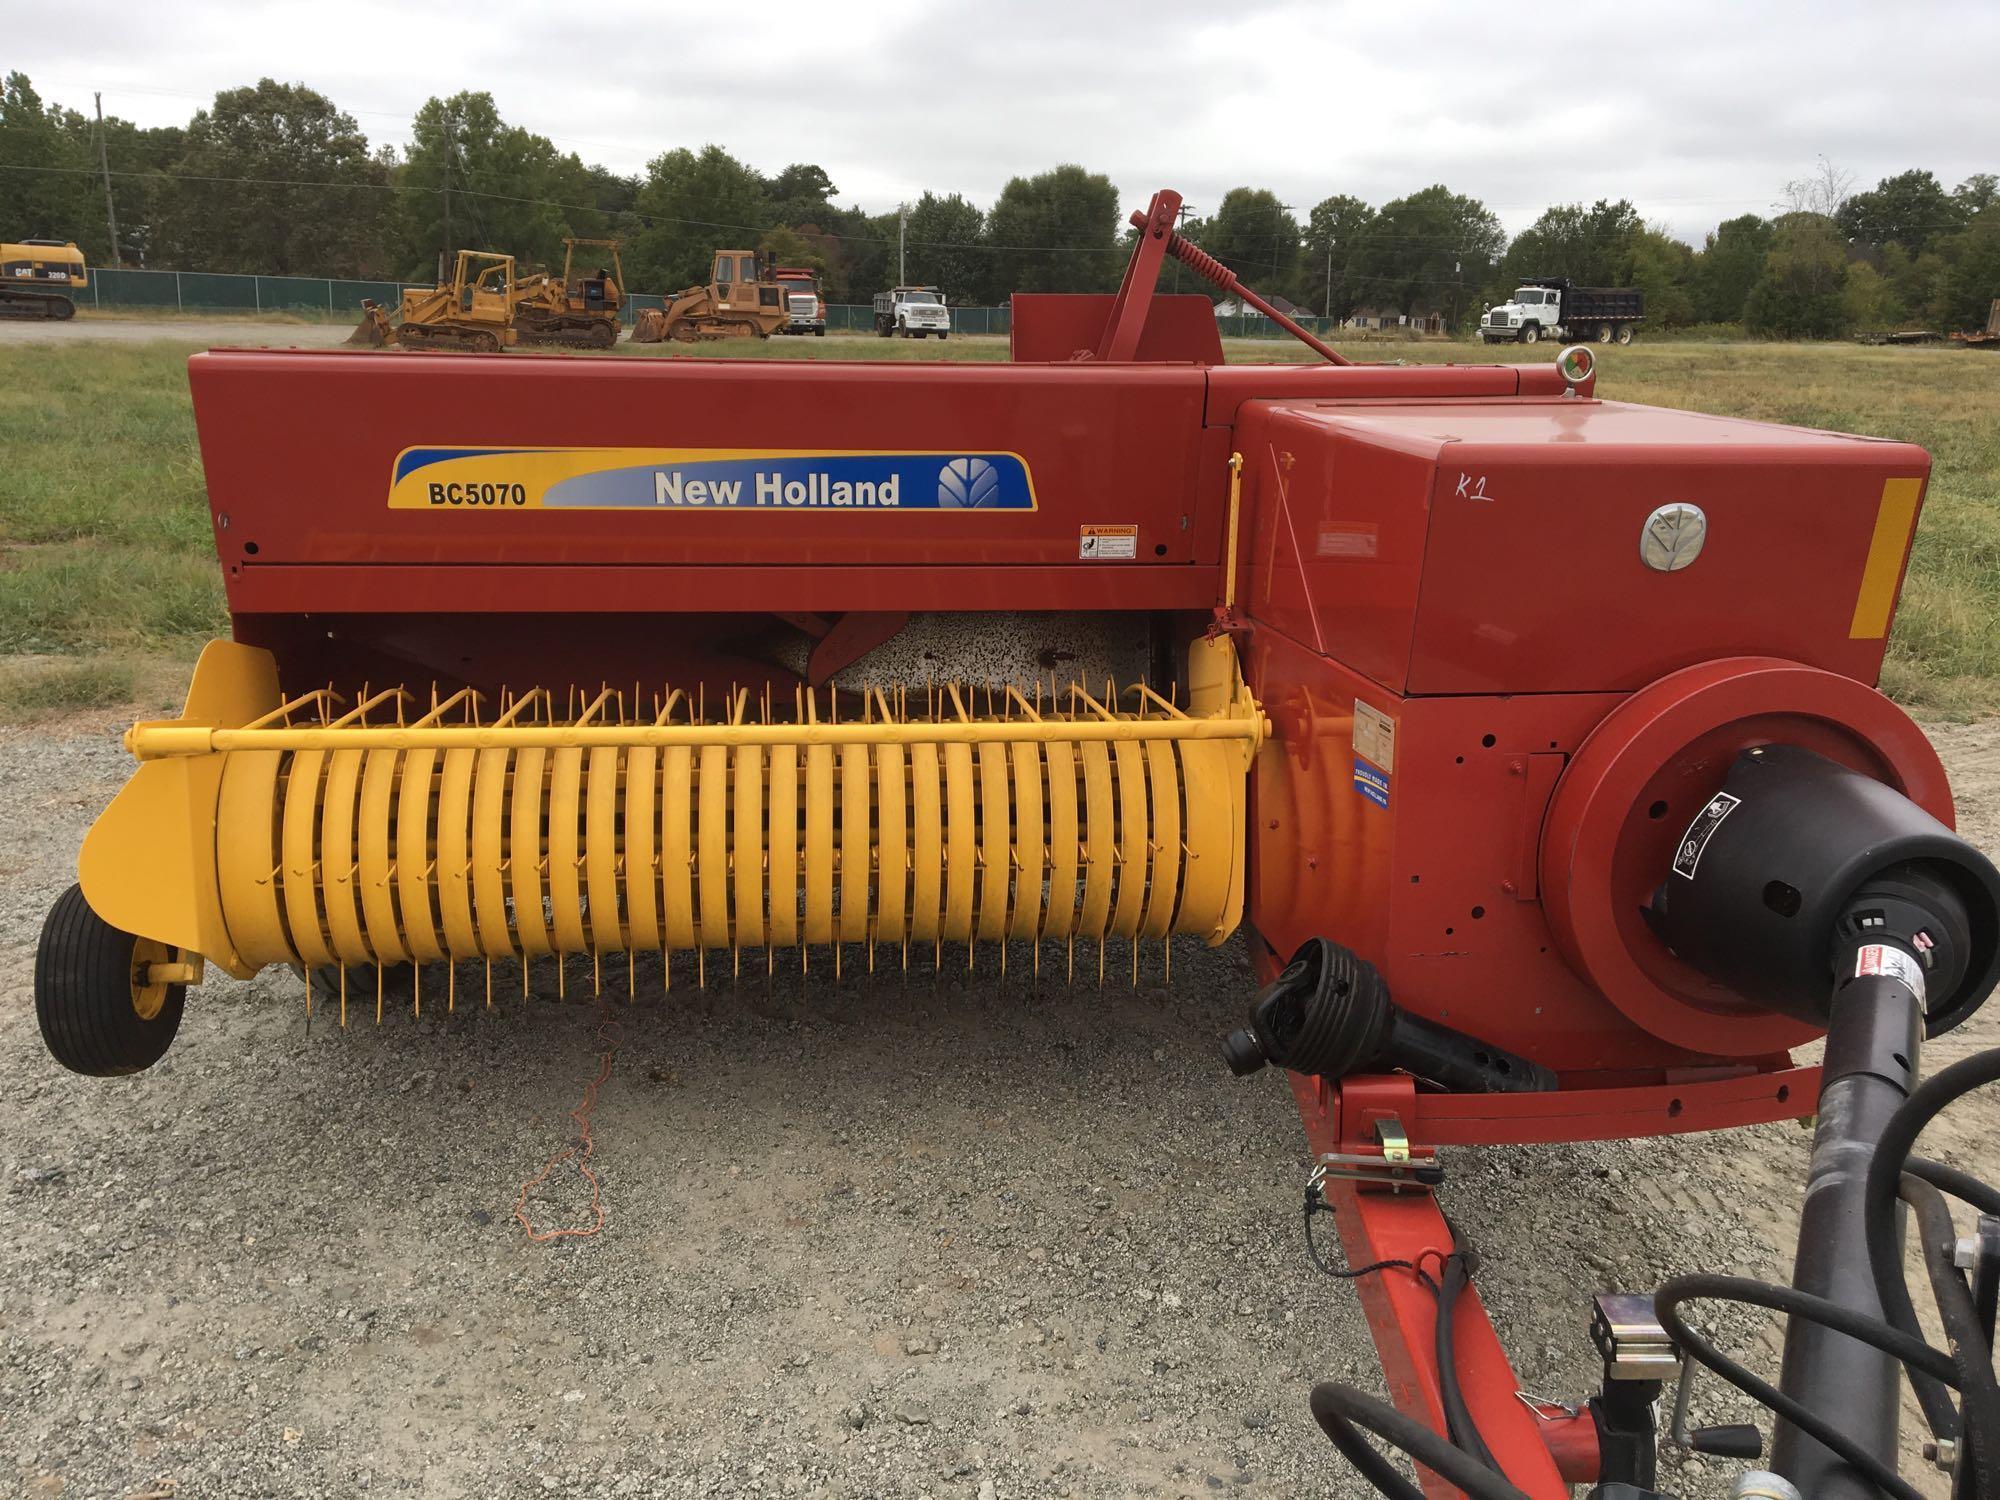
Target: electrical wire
x,y
579,1151
1119,249
1455,1273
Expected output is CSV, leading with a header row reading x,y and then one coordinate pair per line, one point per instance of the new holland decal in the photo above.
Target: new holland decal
x,y
706,479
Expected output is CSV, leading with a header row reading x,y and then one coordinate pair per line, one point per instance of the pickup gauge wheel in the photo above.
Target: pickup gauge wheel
x,y
100,1010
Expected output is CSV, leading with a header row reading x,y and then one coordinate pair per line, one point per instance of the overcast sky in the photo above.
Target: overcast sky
x,y
1696,111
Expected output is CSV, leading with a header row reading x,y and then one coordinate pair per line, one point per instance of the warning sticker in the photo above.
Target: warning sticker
x,y
1098,543
1374,735
1687,858
1879,958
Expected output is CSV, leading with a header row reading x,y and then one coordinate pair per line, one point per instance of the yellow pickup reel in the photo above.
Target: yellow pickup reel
x,y
260,830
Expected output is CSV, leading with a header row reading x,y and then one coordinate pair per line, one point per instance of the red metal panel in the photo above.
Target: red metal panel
x,y
1616,1113
599,588
1334,534
1059,327
1421,887
1533,580
1232,385
1489,546
298,449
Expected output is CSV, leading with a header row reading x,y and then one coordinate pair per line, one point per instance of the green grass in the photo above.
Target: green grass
x,y
168,316
32,687
104,531
106,552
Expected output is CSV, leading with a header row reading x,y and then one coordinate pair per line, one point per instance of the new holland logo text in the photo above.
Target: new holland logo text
x,y
771,488
493,480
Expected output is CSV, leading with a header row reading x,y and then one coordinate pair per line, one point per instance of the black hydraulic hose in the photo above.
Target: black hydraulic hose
x,y
1979,1414
1458,1423
1880,1221
1913,1352
1454,1276
1342,1412
1955,1184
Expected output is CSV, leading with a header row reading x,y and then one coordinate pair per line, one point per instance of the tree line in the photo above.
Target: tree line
x,y
274,178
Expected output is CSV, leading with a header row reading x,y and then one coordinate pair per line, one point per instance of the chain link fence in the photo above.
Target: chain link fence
x,y
214,292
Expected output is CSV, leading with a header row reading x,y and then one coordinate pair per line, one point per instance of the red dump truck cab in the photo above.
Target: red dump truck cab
x,y
805,307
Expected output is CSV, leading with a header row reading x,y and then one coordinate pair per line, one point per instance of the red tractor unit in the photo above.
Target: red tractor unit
x,y
1530,740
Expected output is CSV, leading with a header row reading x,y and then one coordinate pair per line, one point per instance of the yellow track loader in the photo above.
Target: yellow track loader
x,y
741,300
474,310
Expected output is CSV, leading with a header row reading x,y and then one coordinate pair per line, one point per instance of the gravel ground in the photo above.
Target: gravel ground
x,y
978,1236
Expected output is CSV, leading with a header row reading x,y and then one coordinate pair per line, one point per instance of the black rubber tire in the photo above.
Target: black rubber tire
x,y
1624,335
1531,334
83,995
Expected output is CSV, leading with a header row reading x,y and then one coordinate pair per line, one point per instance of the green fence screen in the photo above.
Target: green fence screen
x,y
211,292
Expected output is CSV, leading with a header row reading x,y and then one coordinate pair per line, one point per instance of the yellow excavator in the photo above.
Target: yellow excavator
x,y
37,277
473,310
743,299
578,311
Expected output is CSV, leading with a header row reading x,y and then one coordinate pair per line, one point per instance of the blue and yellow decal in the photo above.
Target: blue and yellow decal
x,y
707,479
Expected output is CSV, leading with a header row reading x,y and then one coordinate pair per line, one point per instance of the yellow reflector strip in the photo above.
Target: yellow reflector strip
x,y
1893,520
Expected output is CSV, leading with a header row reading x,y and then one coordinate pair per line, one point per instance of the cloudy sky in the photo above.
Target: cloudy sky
x,y
1695,110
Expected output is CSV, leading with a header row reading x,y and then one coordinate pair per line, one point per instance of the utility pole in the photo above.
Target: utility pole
x,y
104,164
449,147
902,232
1328,313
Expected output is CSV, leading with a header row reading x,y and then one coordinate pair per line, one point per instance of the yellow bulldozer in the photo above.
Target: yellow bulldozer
x,y
473,310
743,299
578,311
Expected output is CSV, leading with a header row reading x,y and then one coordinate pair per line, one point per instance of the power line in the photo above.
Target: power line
x,y
1369,234
465,192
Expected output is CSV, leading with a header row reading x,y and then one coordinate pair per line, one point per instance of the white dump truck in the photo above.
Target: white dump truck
x,y
1550,308
912,312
